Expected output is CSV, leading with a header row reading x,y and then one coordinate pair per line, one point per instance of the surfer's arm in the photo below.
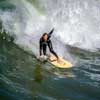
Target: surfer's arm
x,y
50,33
40,49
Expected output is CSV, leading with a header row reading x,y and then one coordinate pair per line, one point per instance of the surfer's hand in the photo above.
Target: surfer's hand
x,y
41,57
45,57
53,29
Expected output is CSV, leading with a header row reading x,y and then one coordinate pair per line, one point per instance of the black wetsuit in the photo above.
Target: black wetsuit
x,y
44,44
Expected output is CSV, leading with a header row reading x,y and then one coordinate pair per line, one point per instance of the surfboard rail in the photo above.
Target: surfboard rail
x,y
62,63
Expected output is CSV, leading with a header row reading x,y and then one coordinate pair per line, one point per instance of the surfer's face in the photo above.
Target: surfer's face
x,y
46,37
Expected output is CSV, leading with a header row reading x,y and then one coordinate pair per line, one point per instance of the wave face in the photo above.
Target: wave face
x,y
76,22
22,77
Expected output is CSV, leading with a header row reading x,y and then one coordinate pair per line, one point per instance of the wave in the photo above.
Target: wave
x,y
76,23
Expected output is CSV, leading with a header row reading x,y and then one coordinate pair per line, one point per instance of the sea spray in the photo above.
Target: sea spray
x,y
76,23
23,23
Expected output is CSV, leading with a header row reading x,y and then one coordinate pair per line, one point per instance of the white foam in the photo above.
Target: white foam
x,y
76,23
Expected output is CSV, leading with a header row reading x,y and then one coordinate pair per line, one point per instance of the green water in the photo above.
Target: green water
x,y
22,77
4,4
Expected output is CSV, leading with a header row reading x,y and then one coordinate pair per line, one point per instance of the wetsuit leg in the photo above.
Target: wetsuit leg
x,y
44,49
51,48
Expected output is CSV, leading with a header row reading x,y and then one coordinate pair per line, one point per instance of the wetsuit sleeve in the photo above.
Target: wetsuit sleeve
x,y
50,33
40,49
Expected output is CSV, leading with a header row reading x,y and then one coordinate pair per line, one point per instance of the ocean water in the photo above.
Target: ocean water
x,y
76,37
22,77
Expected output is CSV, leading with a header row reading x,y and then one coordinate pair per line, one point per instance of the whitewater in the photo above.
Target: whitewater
x,y
76,23
76,37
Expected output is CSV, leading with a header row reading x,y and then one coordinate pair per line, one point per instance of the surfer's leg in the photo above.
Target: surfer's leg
x,y
51,49
44,49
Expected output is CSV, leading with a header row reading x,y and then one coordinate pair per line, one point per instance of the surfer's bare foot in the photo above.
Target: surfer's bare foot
x,y
58,60
53,60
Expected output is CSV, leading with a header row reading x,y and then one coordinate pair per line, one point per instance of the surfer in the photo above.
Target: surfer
x,y
44,42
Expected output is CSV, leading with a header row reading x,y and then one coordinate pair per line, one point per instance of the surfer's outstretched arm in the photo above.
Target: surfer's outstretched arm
x,y
50,33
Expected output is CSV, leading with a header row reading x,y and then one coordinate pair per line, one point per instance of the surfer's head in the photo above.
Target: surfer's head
x,y
45,36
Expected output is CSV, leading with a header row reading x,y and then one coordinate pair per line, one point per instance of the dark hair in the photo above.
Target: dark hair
x,y
44,35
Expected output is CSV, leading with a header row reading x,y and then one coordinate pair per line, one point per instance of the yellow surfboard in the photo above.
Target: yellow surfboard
x,y
62,63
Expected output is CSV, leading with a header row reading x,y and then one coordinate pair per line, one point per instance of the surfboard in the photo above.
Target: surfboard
x,y
62,63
